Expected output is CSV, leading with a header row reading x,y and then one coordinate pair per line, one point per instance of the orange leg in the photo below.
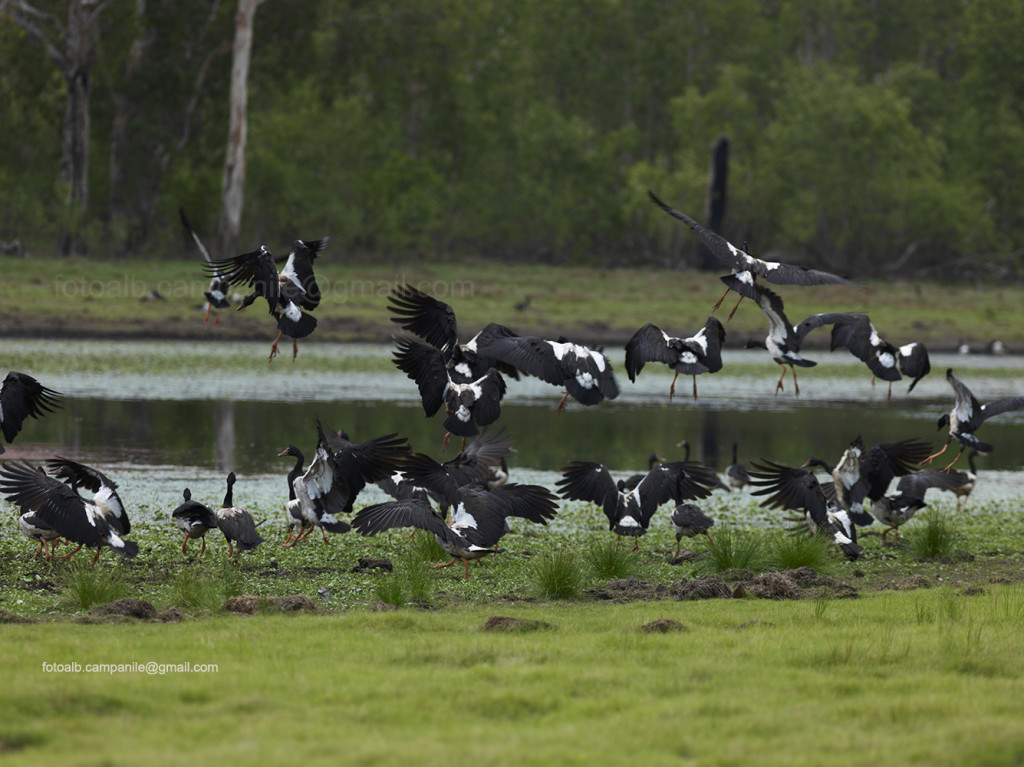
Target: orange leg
x,y
206,319
324,534
97,556
695,387
216,319
931,458
203,550
561,405
68,556
295,349
778,384
720,300
672,388
42,545
273,346
734,308
184,545
953,462
231,549
796,386
676,555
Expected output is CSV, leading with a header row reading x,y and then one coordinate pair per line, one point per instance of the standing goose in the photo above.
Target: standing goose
x,y
783,340
884,360
697,354
236,523
478,520
689,521
85,522
895,510
217,293
745,268
629,512
34,526
736,473
22,396
288,293
194,520
967,416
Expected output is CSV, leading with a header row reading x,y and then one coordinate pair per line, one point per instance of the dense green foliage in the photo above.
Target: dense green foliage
x,y
865,137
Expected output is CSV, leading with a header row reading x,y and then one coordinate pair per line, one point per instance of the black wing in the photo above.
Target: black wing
x,y
255,269
590,481
741,261
424,315
790,488
475,404
22,396
425,365
298,271
532,502
408,513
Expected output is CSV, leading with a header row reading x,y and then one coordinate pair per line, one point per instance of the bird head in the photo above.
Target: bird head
x,y
290,450
943,422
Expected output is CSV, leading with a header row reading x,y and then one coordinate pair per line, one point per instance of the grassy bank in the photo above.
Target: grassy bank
x,y
924,677
81,297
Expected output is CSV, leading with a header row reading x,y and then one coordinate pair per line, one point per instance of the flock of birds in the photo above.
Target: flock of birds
x,y
466,501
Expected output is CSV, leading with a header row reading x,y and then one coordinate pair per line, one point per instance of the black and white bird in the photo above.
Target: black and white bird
x,y
195,520
236,523
689,521
584,373
895,510
478,519
745,267
629,512
22,396
783,339
321,494
434,321
736,473
218,291
290,294
884,360
799,490
87,522
694,355
472,465
633,480
34,526
967,416
103,489
862,476
469,406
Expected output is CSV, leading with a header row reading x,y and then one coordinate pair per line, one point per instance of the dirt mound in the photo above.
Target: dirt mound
x,y
663,626
246,604
911,583
774,585
294,603
129,608
517,625
704,587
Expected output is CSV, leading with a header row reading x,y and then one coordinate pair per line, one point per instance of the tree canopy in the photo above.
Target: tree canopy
x,y
868,138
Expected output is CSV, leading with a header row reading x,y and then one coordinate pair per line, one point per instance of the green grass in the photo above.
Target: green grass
x,y
108,297
607,559
788,552
932,537
85,587
558,574
754,682
733,549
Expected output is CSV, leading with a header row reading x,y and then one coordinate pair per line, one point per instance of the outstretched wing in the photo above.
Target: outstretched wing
x,y
22,396
424,315
409,513
255,269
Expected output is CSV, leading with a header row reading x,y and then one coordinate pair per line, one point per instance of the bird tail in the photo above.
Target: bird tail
x,y
299,328
336,526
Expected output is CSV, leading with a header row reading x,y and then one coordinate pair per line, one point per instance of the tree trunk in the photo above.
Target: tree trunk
x,y
233,187
717,186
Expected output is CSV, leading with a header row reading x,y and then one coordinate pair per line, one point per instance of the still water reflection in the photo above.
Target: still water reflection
x,y
246,436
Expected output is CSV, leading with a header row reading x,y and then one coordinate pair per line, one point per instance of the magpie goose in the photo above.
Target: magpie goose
x,y
434,321
629,512
689,521
87,522
217,293
736,473
478,519
319,495
584,373
967,416
884,360
468,405
896,509
104,490
474,464
236,523
863,474
288,293
783,339
22,396
194,520
35,527
798,489
746,268
696,354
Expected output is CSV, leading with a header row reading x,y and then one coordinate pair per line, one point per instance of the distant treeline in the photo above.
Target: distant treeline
x,y
870,138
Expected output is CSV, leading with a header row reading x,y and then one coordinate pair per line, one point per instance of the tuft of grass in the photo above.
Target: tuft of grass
x,y
933,538
732,549
197,591
423,548
606,560
788,552
85,587
411,582
558,575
